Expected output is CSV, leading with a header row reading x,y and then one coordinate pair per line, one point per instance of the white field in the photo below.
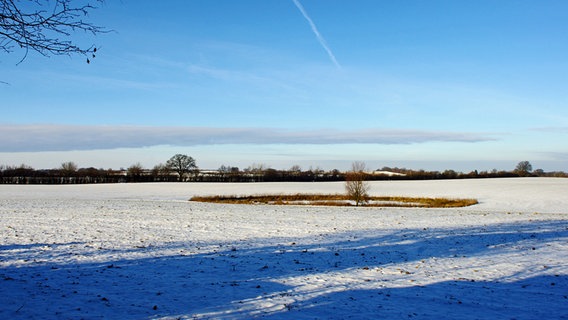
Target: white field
x,y
142,251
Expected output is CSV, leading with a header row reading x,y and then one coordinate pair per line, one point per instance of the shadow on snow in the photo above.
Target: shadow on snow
x,y
295,278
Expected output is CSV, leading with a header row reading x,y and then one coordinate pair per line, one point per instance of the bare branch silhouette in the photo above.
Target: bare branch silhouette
x,y
45,26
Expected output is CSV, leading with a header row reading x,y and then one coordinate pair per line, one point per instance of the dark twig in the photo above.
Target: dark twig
x,y
45,26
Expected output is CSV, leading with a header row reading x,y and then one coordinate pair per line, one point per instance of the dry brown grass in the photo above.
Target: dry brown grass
x,y
336,200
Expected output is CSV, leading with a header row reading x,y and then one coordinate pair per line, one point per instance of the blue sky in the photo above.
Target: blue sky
x,y
430,85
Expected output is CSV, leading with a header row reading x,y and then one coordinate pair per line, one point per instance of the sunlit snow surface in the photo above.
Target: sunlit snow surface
x,y
142,251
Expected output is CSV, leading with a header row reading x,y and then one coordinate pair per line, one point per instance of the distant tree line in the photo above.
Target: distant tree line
x,y
523,169
183,168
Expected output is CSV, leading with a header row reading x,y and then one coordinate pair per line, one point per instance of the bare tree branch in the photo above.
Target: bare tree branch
x,y
45,26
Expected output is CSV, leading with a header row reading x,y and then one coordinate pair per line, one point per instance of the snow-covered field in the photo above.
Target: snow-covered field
x,y
142,251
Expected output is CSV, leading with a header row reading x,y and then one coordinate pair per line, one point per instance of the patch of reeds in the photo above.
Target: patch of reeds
x,y
336,200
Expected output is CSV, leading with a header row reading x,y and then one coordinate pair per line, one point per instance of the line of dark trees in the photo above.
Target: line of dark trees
x,y
183,168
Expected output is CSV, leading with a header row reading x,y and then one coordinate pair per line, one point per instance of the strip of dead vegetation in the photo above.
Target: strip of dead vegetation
x,y
336,200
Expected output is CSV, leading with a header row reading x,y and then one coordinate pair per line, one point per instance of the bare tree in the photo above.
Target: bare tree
x,y
45,26
258,171
355,185
295,169
160,172
182,164
257,167
68,168
523,168
135,171
224,169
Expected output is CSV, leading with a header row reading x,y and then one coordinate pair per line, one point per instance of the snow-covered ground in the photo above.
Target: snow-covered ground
x,y
142,251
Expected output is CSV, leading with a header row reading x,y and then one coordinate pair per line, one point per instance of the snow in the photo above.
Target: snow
x,y
142,251
387,173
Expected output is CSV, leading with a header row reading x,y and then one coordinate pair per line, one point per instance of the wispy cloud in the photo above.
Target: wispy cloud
x,y
551,129
317,33
28,138
558,156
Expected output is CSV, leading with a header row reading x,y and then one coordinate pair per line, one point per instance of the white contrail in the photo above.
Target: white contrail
x,y
316,32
